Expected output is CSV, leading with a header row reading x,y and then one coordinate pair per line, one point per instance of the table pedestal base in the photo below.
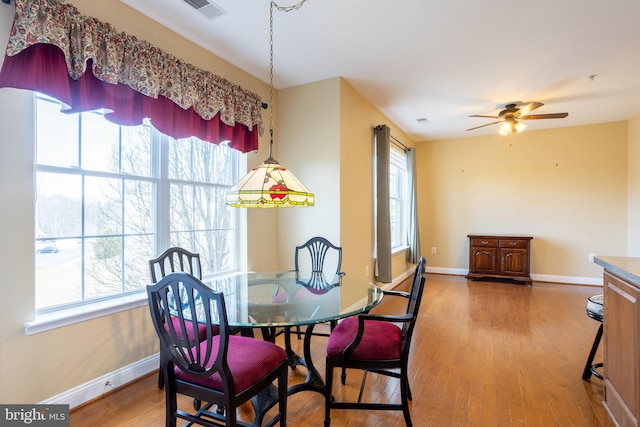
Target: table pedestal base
x,y
268,398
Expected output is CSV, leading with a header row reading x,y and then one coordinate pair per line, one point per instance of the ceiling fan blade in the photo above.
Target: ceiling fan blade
x,y
544,116
488,124
486,117
529,108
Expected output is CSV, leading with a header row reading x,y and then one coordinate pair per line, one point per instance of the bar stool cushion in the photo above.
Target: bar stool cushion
x,y
595,306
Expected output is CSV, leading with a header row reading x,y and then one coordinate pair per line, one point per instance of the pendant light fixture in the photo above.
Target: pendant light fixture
x,y
270,185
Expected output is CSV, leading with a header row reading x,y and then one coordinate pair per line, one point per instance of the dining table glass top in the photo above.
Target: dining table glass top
x,y
289,298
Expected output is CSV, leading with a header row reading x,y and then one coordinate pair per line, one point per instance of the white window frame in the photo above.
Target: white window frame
x,y
50,318
398,202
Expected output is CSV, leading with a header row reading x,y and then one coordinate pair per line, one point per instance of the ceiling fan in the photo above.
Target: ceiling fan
x,y
511,114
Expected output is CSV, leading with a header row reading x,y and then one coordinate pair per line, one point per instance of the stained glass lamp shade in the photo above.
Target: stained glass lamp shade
x,y
270,185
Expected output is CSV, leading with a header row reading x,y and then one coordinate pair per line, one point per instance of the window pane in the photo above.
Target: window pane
x,y
58,274
138,207
57,135
103,206
103,267
180,159
136,273
58,205
100,143
136,150
398,197
217,250
181,207
204,208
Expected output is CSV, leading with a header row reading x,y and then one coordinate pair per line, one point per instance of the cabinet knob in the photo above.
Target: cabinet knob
x,y
512,243
484,242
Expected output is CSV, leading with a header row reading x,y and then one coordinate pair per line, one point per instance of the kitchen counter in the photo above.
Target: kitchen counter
x,y
621,288
627,268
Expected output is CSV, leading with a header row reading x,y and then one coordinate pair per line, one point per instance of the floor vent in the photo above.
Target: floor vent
x,y
207,8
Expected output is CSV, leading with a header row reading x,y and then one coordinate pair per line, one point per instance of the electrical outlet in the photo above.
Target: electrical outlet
x,y
366,270
591,256
434,250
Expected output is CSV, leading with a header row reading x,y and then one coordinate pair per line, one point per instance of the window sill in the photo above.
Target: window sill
x,y
58,319
397,250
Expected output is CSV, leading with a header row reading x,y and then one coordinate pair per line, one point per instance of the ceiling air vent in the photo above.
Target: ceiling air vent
x,y
207,8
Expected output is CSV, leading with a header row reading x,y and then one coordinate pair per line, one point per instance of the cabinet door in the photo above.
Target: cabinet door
x,y
483,260
514,262
621,370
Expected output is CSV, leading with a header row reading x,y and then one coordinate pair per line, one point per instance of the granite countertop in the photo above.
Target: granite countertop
x,y
627,268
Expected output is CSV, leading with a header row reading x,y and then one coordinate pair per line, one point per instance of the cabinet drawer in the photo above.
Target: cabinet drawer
x,y
491,243
521,244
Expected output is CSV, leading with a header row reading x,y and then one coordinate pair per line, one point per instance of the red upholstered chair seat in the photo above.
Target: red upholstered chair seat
x,y
249,360
380,341
202,330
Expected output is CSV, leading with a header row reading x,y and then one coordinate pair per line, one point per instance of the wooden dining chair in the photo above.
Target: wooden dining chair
x,y
319,258
223,369
171,260
375,343
175,259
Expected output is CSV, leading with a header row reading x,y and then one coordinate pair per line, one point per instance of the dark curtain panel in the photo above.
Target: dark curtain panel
x,y
382,135
413,230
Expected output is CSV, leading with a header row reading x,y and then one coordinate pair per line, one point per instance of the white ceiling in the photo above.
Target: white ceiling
x,y
437,59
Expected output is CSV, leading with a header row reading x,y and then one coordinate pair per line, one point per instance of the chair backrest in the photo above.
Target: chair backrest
x,y
323,256
172,260
321,259
180,304
413,306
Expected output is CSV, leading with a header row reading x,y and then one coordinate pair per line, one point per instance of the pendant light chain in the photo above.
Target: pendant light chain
x,y
274,5
270,185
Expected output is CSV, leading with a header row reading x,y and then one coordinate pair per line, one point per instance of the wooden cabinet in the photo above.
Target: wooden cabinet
x,y
499,256
622,349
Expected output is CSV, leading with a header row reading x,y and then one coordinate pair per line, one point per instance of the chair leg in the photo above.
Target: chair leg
x,y
171,418
328,393
405,393
586,374
160,375
282,395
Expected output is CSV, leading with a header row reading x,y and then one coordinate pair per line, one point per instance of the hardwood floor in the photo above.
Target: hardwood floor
x,y
483,354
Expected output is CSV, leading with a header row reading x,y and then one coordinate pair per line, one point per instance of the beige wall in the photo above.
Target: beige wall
x,y
566,187
325,129
633,195
38,367
357,120
308,143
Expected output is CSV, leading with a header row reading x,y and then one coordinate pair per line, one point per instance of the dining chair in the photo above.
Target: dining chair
x,y
171,260
375,343
319,258
222,369
175,259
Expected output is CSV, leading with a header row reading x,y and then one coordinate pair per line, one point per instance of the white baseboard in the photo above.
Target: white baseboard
x,y
567,279
450,271
595,281
101,385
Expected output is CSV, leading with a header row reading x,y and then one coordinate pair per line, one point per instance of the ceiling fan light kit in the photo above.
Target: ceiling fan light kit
x,y
510,116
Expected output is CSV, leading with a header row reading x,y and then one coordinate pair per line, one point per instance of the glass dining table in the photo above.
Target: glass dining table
x,y
270,301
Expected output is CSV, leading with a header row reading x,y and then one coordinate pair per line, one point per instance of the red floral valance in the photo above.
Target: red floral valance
x,y
52,45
